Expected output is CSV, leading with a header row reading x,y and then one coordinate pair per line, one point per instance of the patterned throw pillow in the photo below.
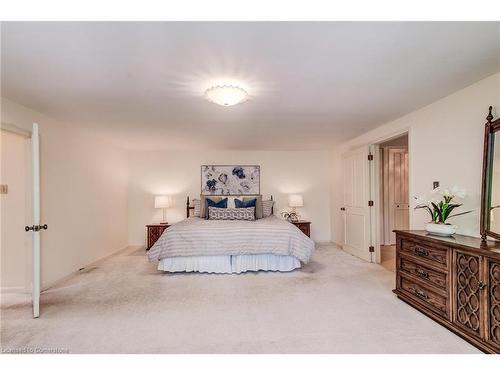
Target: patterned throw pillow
x,y
210,203
215,213
197,207
267,208
203,204
258,205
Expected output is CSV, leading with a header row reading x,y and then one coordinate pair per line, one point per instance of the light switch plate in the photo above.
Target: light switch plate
x,y
4,189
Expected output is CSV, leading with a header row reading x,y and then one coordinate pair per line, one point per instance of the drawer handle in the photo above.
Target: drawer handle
x,y
421,252
420,272
419,293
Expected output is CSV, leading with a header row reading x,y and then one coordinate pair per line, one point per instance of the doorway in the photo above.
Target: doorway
x,y
15,200
393,194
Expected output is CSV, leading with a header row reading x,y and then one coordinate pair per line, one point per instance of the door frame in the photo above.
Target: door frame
x,y
375,185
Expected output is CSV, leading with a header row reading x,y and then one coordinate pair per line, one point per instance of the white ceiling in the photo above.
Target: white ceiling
x,y
312,84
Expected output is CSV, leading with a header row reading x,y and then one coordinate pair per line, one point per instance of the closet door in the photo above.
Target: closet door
x,y
356,209
397,206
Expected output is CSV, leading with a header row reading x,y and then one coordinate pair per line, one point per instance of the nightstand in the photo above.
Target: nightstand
x,y
304,226
154,231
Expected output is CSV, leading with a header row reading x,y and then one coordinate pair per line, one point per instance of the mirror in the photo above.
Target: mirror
x,y
495,187
490,194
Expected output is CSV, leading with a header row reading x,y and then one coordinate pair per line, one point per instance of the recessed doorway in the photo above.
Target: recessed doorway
x,y
393,189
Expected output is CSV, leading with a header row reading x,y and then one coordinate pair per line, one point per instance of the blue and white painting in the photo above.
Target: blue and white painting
x,y
230,179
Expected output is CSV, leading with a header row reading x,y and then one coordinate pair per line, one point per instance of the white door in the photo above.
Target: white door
x,y
356,209
36,220
398,201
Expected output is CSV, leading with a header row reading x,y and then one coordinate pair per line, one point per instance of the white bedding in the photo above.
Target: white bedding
x,y
195,237
229,263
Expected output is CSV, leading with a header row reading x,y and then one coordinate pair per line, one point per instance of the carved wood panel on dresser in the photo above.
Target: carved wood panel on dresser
x,y
453,280
493,315
467,294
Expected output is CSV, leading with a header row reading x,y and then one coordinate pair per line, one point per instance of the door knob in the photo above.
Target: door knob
x,y
342,208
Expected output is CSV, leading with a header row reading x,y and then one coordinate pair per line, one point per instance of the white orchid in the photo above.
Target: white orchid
x,y
459,192
440,204
419,201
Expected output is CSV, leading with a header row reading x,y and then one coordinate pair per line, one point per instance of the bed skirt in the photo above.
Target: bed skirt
x,y
229,263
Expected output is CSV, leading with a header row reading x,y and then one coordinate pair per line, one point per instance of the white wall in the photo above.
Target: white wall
x,y
177,173
445,144
83,193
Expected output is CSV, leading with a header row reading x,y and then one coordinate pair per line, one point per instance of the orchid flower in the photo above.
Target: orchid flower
x,y
440,206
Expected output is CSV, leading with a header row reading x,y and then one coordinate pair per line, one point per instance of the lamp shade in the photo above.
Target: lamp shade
x,y
162,201
295,200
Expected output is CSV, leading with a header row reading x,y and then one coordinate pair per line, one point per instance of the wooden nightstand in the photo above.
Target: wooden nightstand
x,y
304,226
154,231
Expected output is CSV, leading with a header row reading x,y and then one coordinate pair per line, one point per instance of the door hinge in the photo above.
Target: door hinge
x,y
371,249
370,157
370,203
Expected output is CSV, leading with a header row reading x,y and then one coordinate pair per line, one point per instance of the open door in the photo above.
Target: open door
x,y
357,207
36,227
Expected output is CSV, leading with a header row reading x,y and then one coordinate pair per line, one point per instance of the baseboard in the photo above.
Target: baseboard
x,y
14,289
74,273
328,243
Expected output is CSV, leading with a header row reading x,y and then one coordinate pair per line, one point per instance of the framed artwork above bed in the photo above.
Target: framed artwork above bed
x,y
230,179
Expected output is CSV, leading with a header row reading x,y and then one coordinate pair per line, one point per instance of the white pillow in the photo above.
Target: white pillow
x,y
267,208
197,207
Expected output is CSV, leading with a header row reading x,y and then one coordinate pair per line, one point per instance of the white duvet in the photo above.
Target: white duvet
x,y
199,237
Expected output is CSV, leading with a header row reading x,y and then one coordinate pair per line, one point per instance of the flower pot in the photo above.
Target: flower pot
x,y
444,230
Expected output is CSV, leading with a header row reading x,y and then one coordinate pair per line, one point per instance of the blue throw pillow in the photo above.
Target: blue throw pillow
x,y
242,204
211,203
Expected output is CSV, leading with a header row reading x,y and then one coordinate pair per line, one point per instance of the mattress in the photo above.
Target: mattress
x,y
229,263
196,237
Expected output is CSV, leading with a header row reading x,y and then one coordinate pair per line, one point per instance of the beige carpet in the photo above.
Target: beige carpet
x,y
336,304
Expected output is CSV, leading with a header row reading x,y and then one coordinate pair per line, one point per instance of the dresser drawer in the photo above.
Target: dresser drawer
x,y
433,277
424,295
433,254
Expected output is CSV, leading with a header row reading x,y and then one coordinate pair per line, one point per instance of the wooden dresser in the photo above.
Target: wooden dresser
x,y
153,232
455,281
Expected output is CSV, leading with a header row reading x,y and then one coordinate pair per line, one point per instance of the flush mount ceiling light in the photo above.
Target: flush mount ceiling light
x,y
226,95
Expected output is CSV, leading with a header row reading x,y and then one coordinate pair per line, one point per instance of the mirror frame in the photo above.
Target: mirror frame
x,y
490,129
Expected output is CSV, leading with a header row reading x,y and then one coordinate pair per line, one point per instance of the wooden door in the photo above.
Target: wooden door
x,y
356,176
493,303
396,200
468,312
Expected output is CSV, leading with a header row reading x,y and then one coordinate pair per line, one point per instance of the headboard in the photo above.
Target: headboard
x,y
189,207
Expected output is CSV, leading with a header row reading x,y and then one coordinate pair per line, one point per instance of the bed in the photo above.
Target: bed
x,y
231,246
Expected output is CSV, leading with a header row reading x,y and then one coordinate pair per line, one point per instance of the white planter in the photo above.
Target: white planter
x,y
444,230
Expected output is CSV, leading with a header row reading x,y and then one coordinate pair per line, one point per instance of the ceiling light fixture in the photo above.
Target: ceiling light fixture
x,y
226,95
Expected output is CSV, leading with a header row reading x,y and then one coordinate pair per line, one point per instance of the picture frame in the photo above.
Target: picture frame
x,y
230,180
